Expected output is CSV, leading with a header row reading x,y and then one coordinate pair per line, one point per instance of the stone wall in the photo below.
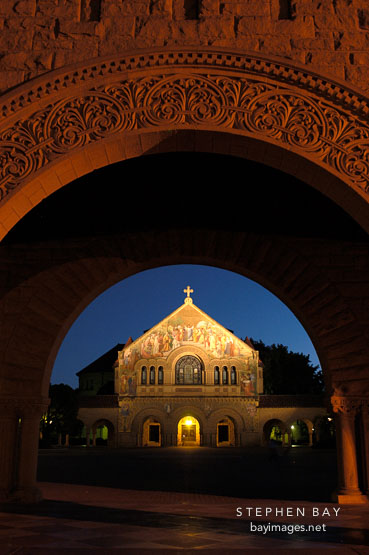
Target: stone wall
x,y
330,37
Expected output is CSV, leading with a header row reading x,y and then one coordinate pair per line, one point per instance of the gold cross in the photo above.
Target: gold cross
x,y
188,290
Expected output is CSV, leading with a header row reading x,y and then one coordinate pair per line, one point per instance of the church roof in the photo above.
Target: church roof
x,y
190,319
103,363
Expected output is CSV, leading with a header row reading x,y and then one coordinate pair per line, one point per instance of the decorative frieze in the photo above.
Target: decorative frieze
x,y
180,90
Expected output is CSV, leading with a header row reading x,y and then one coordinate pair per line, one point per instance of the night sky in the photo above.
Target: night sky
x,y
138,303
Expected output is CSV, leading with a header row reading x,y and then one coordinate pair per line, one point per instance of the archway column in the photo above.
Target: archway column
x,y
286,431
310,438
94,437
27,414
365,417
310,428
8,447
88,434
345,410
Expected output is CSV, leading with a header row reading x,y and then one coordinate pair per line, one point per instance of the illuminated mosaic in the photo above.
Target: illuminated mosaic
x,y
189,327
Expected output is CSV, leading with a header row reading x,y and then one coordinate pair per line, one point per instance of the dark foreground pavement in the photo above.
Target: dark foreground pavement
x,y
181,501
300,473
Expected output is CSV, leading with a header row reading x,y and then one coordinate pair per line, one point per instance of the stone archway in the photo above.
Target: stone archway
x,y
231,419
103,422
151,433
47,293
141,423
301,430
66,124
226,434
275,428
206,101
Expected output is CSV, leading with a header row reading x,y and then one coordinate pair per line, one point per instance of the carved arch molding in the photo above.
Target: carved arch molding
x,y
46,119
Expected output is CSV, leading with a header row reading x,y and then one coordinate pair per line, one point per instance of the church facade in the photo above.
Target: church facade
x,y
189,381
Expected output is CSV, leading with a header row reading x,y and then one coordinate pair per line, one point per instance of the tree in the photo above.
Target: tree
x,y
287,372
61,417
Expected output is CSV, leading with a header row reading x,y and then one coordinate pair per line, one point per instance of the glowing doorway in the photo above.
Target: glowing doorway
x,y
188,432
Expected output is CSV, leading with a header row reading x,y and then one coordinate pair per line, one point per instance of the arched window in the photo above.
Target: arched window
x,y
152,375
233,376
160,375
188,371
143,375
216,375
225,375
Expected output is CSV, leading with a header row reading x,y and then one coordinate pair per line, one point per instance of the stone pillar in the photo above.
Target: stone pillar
x,y
286,442
88,432
9,434
310,428
365,416
30,412
345,410
310,438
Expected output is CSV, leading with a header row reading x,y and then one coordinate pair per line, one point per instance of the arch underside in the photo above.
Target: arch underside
x,y
67,123
46,286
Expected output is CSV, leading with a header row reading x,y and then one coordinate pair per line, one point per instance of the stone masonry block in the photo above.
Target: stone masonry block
x,y
39,35
218,27
210,7
248,25
250,8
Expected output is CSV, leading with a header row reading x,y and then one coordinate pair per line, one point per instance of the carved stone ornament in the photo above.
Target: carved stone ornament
x,y
49,117
347,406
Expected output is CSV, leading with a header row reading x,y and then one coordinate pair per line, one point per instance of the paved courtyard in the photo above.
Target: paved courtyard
x,y
184,500
300,473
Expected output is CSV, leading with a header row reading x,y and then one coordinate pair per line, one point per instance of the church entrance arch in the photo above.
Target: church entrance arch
x,y
188,432
226,433
151,433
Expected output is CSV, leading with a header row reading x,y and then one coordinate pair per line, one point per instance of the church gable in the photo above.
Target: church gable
x,y
187,326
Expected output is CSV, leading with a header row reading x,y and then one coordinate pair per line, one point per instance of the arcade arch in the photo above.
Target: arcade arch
x,y
103,433
275,430
301,431
149,428
226,434
261,111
